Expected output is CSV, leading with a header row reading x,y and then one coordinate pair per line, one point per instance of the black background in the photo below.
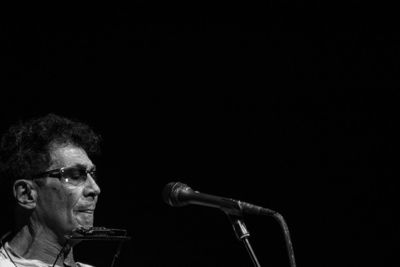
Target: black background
x,y
289,105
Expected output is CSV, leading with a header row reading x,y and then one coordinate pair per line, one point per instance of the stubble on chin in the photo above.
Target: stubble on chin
x,y
84,219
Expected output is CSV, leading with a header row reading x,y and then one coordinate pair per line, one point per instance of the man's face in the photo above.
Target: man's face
x,y
62,207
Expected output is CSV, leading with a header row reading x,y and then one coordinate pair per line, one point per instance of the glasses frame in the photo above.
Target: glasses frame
x,y
59,173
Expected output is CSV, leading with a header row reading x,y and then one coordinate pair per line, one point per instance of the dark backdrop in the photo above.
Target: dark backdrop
x,y
287,105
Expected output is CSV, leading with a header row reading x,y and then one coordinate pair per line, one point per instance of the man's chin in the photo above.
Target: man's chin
x,y
84,219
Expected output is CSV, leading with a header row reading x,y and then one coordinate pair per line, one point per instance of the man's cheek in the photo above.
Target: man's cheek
x,y
71,203
73,197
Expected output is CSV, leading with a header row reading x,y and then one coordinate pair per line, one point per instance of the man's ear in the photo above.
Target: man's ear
x,y
25,193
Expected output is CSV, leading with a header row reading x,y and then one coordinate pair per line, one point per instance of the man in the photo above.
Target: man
x,y
46,162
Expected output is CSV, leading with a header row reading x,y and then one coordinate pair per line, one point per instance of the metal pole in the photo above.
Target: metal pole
x,y
243,235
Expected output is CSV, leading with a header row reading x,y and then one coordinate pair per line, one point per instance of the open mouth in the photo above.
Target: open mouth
x,y
89,211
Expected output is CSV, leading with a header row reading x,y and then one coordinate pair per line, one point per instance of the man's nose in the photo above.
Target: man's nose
x,y
92,188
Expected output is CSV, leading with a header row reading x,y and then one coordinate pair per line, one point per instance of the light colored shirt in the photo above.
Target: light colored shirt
x,y
5,260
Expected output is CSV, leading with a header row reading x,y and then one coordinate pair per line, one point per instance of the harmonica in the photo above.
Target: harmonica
x,y
98,233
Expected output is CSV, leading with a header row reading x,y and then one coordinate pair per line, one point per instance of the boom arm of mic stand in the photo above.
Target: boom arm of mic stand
x,y
242,235
288,241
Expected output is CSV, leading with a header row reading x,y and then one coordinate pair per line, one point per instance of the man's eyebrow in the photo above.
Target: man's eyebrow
x,y
80,165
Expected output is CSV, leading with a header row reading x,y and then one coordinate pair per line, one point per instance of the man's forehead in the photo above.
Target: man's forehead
x,y
69,155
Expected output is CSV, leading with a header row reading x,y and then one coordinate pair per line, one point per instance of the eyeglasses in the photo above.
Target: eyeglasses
x,y
75,175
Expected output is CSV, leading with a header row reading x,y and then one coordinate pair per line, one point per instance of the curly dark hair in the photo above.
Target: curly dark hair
x,y
24,148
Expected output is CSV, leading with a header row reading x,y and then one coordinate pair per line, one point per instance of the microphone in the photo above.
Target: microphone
x,y
177,194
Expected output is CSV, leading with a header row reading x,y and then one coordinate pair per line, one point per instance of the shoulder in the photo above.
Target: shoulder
x,y
4,260
79,264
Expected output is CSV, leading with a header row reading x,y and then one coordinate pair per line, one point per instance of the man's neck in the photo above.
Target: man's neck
x,y
39,243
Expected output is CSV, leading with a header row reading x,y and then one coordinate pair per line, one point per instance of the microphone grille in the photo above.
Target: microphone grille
x,y
171,192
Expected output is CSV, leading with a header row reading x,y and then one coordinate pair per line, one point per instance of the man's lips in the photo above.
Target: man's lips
x,y
85,210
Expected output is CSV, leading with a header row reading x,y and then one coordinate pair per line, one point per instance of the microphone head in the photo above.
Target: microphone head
x,y
173,194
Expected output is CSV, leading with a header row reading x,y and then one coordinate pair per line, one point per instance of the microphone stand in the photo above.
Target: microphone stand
x,y
242,235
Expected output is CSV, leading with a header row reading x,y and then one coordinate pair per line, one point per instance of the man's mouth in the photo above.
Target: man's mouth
x,y
86,211
89,210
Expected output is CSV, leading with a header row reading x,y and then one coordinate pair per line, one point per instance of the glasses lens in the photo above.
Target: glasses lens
x,y
74,175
